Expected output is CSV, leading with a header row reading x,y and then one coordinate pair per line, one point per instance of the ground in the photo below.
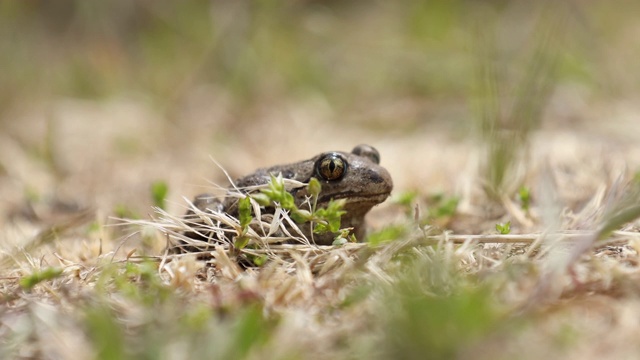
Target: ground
x,y
485,115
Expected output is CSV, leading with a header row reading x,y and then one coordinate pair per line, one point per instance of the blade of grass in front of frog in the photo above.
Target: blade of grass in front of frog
x,y
211,222
276,221
257,211
293,225
226,174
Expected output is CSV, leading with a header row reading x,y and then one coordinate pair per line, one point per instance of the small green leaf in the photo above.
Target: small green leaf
x,y
321,227
28,282
344,237
301,216
241,241
262,199
159,191
329,217
339,241
525,197
276,193
287,201
244,212
314,187
260,260
504,229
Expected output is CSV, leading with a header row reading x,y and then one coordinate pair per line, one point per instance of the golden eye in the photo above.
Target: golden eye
x,y
331,167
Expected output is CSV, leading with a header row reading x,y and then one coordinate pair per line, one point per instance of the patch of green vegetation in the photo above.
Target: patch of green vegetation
x,y
244,214
108,336
567,336
407,200
31,194
524,195
328,219
325,219
388,234
137,282
159,191
354,297
504,229
442,206
432,311
134,314
258,260
344,236
440,326
29,281
251,330
94,227
275,193
122,211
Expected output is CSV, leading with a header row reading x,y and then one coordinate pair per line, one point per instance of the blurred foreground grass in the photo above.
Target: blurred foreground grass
x,y
493,70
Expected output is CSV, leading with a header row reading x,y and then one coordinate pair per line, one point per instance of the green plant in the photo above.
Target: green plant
x,y
325,219
524,194
504,229
442,206
29,281
159,191
387,234
431,311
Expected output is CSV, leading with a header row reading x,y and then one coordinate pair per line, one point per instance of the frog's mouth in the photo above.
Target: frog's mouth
x,y
356,198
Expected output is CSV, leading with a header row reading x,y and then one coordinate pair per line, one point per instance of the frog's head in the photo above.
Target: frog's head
x,y
356,177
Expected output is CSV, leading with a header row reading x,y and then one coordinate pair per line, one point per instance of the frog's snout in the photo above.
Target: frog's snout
x,y
380,179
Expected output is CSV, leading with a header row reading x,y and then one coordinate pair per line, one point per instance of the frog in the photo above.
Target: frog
x,y
356,176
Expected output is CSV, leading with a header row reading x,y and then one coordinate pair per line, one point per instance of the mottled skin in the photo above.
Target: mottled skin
x,y
356,177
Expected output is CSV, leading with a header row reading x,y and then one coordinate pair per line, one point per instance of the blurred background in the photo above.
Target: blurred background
x,y
100,99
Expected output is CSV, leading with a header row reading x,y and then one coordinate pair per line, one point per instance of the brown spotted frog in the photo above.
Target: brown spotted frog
x,y
356,177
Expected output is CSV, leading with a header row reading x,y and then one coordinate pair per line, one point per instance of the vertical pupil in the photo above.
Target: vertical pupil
x,y
332,165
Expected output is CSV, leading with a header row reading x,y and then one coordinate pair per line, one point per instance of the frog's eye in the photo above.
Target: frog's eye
x,y
367,151
331,167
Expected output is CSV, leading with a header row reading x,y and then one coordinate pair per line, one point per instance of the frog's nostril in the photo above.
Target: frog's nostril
x,y
374,177
378,177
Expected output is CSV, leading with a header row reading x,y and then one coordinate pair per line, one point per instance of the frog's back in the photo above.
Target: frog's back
x,y
301,171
